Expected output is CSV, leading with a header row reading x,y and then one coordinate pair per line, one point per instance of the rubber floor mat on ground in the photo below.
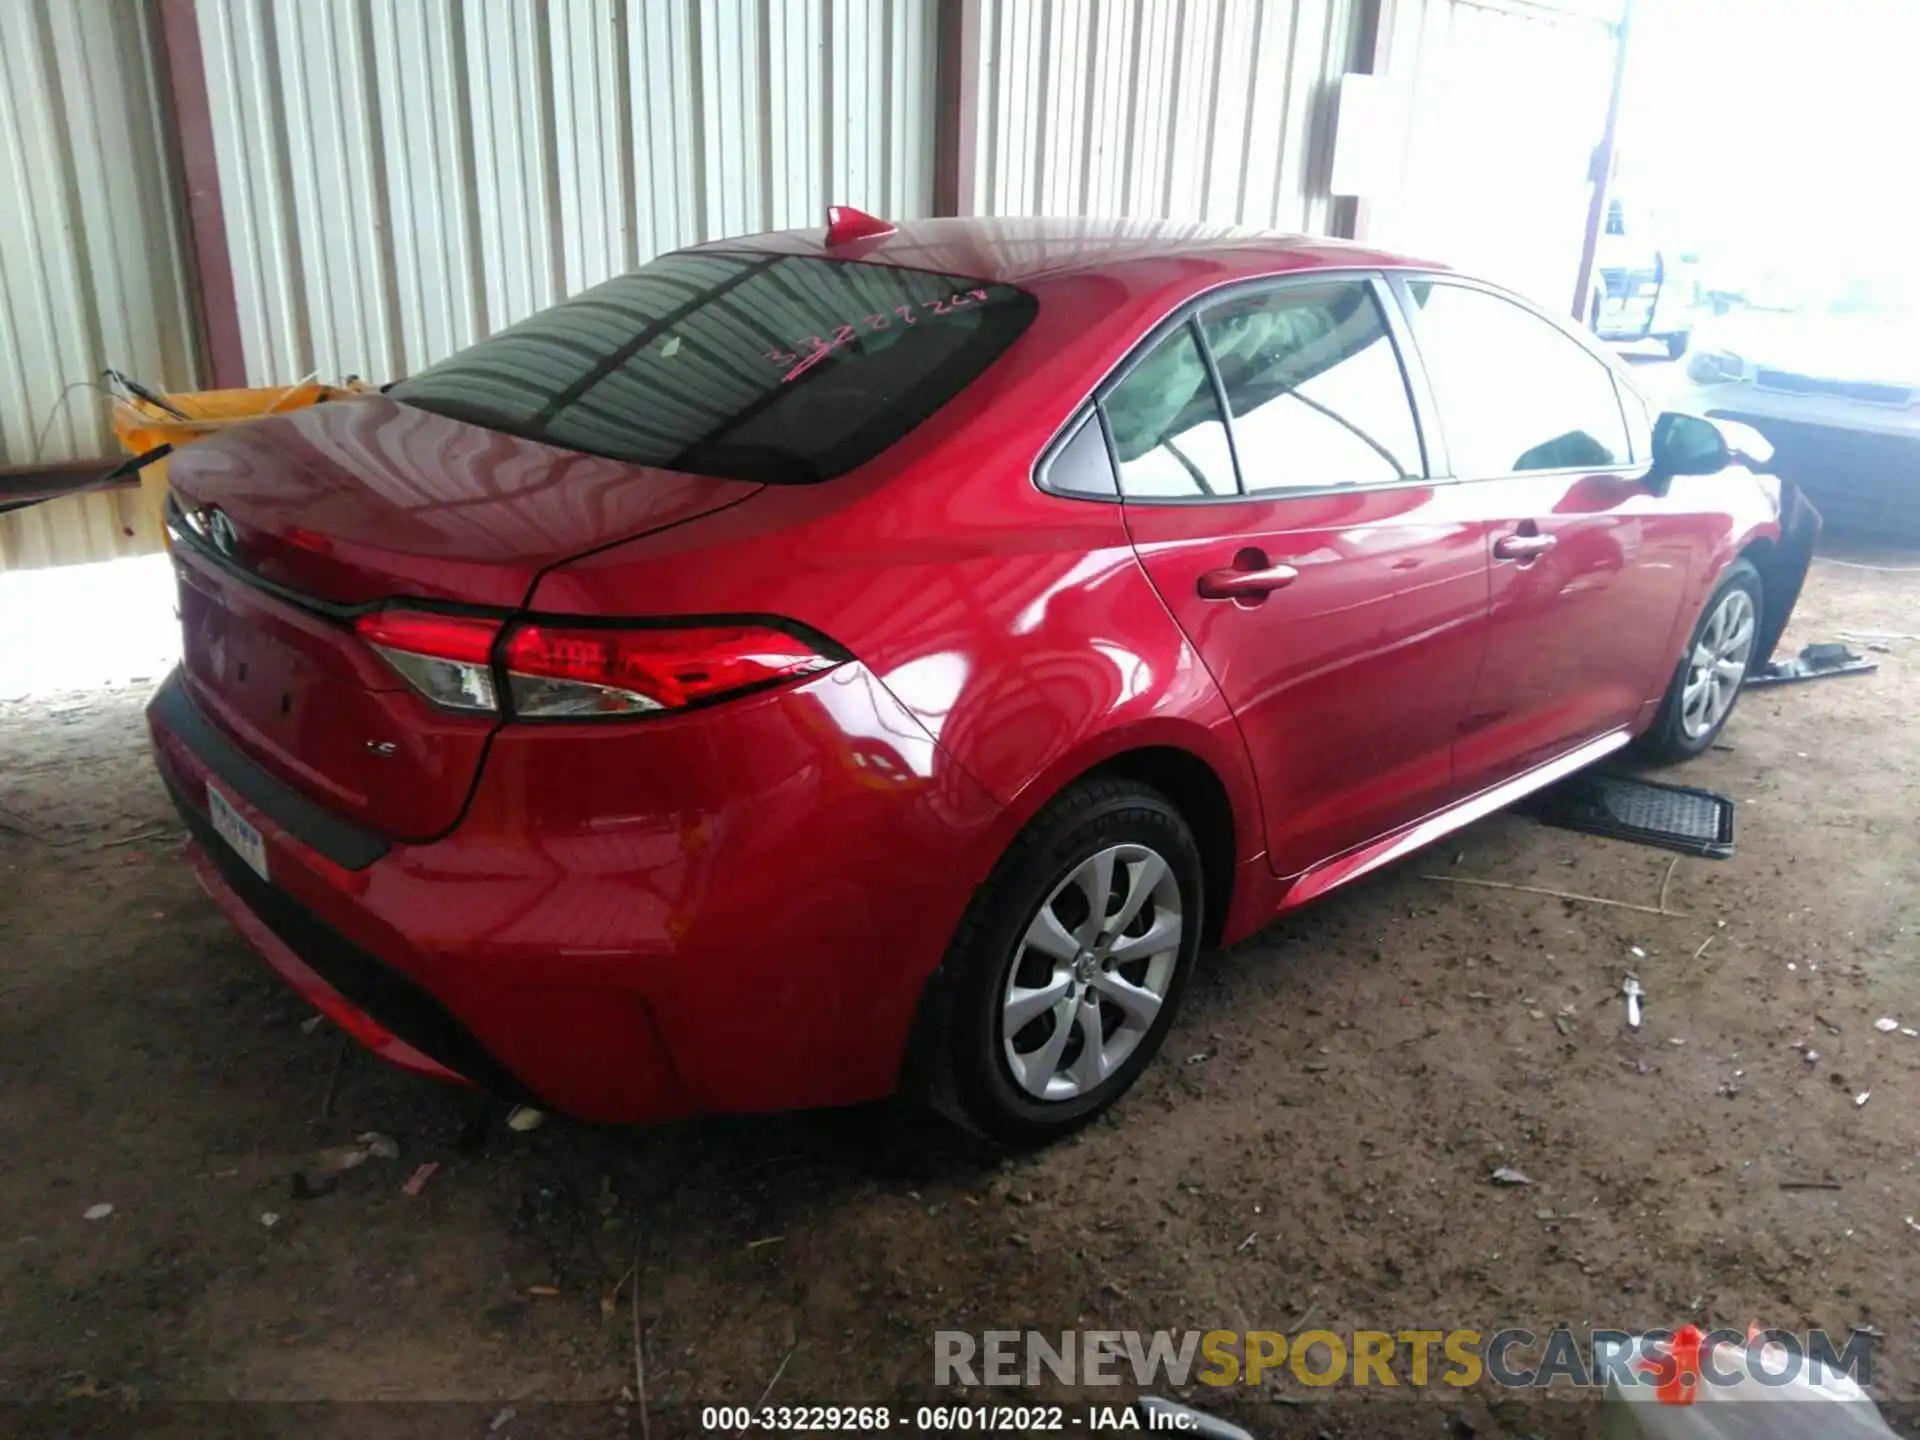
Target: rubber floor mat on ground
x,y
1814,662
1621,807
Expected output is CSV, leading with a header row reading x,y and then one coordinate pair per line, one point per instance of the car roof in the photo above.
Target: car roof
x,y
1023,250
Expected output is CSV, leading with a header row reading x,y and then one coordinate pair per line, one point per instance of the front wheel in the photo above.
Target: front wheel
x,y
1706,683
1677,344
1070,963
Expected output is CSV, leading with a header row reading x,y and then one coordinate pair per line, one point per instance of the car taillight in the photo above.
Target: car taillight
x,y
557,670
561,670
445,657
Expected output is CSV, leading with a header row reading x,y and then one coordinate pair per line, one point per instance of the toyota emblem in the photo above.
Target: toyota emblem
x,y
221,532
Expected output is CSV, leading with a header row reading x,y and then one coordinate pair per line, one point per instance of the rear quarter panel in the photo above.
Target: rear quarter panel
x,y
767,883
1016,626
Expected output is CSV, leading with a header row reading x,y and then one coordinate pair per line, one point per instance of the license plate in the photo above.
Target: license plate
x,y
233,828
1613,305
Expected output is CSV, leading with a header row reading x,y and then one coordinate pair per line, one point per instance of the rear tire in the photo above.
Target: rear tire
x,y
1049,1011
1706,683
1677,344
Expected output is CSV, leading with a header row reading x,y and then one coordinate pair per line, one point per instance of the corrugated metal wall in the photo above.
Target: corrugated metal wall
x,y
1211,110
402,177
1506,102
93,263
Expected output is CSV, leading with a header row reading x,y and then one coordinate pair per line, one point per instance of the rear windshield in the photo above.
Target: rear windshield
x,y
785,369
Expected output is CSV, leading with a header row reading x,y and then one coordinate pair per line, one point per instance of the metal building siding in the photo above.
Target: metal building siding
x,y
1212,110
94,269
402,177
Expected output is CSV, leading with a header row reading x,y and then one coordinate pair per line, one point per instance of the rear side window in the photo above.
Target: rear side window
x,y
785,369
1083,465
1514,393
1315,387
1165,421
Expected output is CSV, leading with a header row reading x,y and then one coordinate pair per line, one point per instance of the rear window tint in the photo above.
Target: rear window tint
x,y
785,369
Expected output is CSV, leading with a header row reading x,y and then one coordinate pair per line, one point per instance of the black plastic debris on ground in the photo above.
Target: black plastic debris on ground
x,y
1620,807
1814,662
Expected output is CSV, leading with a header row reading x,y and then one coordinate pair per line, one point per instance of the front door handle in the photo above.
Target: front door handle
x,y
1522,547
1250,579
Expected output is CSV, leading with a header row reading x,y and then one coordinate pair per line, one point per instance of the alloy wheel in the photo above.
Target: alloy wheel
x,y
1718,664
1091,972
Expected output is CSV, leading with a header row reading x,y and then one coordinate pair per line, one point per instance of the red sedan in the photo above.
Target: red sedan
x,y
808,668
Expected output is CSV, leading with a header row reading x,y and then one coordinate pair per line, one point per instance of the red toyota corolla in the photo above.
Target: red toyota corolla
x,y
810,668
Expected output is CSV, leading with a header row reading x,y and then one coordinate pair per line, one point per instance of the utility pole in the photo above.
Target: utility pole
x,y
1602,165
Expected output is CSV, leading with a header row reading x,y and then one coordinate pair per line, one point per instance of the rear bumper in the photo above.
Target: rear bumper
x,y
376,996
729,911
204,858
341,841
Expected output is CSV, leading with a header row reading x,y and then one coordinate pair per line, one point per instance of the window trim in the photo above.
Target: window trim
x,y
1400,283
1220,402
1625,392
1187,318
1187,312
1083,416
1069,429
1397,339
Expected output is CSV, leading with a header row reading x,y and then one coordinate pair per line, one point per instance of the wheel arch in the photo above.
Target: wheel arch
x,y
1763,554
1183,762
1203,771
1199,794
1779,545
1782,562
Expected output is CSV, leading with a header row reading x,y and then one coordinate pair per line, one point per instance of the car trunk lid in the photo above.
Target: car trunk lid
x,y
367,499
648,401
291,526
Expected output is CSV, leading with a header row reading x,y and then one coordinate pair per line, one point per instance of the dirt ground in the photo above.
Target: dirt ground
x,y
1313,1148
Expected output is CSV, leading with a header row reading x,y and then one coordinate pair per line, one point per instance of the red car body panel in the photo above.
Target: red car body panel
x,y
681,917
1348,684
303,696
739,907
1576,640
363,499
308,985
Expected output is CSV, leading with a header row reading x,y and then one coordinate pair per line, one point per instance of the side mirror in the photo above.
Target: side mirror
x,y
1685,445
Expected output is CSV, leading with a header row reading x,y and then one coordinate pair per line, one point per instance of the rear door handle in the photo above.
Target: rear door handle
x,y
1250,577
1522,547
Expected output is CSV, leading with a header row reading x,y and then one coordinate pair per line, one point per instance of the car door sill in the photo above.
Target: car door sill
x,y
1364,859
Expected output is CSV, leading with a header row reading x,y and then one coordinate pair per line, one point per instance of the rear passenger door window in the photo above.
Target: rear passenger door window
x,y
1315,387
1514,393
1164,417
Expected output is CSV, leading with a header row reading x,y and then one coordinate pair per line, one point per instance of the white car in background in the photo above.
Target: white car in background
x,y
1836,393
